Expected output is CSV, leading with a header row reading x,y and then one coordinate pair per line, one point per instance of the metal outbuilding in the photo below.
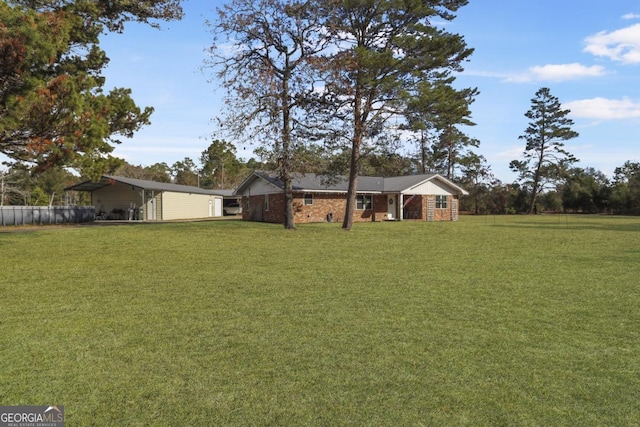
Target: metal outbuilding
x,y
122,198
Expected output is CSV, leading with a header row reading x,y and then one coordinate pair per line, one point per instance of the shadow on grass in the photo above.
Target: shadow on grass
x,y
574,222
110,223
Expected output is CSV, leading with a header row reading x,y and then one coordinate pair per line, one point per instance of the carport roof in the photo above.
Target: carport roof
x,y
106,180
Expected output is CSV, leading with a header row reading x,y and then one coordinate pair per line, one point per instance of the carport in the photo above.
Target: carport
x,y
135,199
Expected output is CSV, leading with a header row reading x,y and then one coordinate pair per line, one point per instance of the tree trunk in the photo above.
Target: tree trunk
x,y
289,223
423,152
358,135
536,182
353,187
532,204
285,174
450,158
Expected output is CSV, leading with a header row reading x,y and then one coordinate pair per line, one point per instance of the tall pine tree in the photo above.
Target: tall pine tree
x,y
545,158
53,109
383,53
266,75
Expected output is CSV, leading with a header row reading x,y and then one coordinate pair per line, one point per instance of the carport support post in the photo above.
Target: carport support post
x,y
142,205
401,203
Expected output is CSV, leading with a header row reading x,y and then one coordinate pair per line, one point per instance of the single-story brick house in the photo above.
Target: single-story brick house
x,y
318,198
117,197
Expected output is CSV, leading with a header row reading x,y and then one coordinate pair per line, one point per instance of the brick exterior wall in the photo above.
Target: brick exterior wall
x,y
439,214
254,208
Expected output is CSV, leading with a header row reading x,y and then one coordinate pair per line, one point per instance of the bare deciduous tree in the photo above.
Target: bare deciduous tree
x,y
262,53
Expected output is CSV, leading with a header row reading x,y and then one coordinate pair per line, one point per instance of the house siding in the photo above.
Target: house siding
x,y
158,205
185,205
439,214
417,202
431,187
253,209
325,204
116,196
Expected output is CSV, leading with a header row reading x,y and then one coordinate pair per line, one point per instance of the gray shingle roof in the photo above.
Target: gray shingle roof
x,y
400,183
141,183
366,184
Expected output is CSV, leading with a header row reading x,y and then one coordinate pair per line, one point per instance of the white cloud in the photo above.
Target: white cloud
x,y
512,152
621,45
604,109
561,72
631,16
557,73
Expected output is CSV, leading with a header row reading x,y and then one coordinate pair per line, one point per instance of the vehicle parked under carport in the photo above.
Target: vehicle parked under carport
x,y
232,209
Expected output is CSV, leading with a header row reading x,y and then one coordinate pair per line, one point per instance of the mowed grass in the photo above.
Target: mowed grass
x,y
488,321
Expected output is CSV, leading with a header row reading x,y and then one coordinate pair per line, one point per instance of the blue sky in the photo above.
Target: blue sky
x,y
586,51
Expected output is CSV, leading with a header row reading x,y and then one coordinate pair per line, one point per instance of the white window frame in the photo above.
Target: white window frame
x,y
442,202
361,202
307,199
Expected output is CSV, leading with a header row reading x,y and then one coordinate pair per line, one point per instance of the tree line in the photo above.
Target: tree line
x,y
577,190
333,87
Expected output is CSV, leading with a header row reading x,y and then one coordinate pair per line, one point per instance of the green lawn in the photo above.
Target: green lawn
x,y
487,321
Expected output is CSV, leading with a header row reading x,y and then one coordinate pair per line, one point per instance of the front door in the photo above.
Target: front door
x,y
392,207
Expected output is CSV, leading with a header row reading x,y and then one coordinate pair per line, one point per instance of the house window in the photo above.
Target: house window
x,y
364,201
266,202
441,202
308,199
